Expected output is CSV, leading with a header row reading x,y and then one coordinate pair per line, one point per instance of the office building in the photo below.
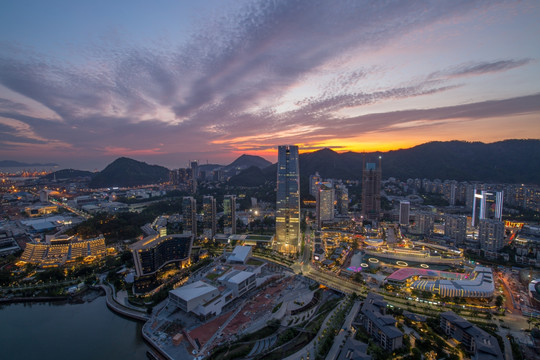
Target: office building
x,y
491,206
491,235
314,184
455,227
325,203
404,210
229,214
209,217
288,200
189,213
371,190
342,199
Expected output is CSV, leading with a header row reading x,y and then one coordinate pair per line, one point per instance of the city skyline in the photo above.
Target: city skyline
x,y
81,85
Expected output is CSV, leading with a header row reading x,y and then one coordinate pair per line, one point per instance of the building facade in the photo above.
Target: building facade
x,y
288,200
404,210
371,190
189,213
229,214
209,217
455,227
491,235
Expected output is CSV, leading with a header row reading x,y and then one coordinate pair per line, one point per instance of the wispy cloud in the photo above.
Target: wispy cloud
x,y
219,90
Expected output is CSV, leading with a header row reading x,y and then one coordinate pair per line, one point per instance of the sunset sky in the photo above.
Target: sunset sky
x,y
84,82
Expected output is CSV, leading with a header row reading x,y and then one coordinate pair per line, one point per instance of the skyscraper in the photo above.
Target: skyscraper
x,y
189,212
229,213
313,184
455,227
404,210
371,190
209,216
288,200
325,203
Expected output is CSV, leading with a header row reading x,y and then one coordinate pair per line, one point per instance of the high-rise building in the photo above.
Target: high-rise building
x,y
209,217
325,203
371,190
194,170
189,212
342,197
313,184
455,227
288,200
424,223
154,252
491,205
491,235
229,214
404,210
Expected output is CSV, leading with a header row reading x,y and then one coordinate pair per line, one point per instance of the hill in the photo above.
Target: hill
x,y
250,177
508,161
124,172
247,161
67,174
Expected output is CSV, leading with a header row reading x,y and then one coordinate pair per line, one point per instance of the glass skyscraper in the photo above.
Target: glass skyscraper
x,y
288,200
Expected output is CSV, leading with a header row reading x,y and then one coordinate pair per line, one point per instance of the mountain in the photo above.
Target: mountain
x,y
250,177
247,161
12,163
124,172
67,174
509,161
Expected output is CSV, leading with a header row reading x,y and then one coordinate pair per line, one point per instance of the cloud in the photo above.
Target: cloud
x,y
480,68
218,91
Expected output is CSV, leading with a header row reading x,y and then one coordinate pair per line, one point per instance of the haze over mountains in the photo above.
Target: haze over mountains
x,y
509,161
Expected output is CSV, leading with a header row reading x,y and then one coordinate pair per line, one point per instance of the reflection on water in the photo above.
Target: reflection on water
x,y
68,331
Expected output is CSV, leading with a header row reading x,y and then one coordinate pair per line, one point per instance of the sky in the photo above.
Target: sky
x,y
85,82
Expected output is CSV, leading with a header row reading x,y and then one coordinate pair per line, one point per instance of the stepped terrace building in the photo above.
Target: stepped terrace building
x,y
479,284
63,250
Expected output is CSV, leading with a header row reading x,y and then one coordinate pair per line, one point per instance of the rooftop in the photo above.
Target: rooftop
x,y
153,240
193,290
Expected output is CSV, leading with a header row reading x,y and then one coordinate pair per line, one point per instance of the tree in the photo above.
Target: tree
x,y
499,301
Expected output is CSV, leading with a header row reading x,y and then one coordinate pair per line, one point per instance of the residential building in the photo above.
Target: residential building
x,y
229,213
482,345
209,216
380,326
491,235
189,213
404,210
325,203
455,227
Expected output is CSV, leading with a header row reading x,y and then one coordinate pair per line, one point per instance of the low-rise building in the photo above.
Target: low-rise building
x,y
380,326
239,282
240,255
188,297
482,345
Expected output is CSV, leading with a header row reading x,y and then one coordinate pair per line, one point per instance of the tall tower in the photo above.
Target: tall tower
x,y
325,203
404,211
229,212
288,200
189,212
209,216
371,190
